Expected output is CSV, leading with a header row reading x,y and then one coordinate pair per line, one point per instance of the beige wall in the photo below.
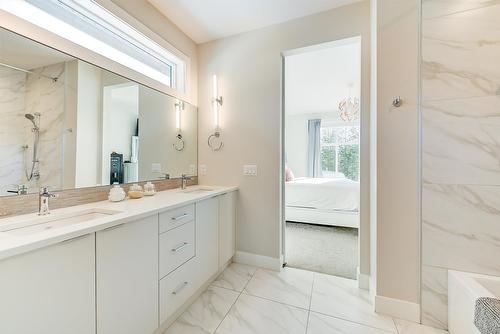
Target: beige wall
x,y
249,70
397,224
373,147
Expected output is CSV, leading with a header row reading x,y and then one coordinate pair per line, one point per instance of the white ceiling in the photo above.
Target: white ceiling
x,y
316,81
206,20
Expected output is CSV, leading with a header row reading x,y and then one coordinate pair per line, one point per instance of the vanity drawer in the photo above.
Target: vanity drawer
x,y
176,247
174,218
177,288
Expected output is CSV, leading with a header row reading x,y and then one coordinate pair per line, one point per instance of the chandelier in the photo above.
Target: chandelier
x,y
349,109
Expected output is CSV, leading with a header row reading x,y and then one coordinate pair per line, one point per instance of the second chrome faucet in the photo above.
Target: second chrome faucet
x,y
184,180
43,201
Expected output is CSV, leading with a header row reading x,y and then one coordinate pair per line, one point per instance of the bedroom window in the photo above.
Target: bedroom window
x,y
340,151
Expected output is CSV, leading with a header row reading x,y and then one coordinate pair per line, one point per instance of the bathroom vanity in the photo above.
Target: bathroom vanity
x,y
126,267
75,129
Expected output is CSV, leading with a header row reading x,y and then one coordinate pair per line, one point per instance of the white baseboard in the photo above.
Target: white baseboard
x,y
363,281
257,260
398,308
373,288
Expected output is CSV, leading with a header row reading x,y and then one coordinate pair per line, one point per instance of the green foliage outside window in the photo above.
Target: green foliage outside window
x,y
328,159
349,161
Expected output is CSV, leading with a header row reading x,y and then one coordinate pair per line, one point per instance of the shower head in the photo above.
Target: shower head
x,y
31,117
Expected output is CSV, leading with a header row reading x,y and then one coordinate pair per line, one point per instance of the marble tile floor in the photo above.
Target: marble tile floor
x,y
249,300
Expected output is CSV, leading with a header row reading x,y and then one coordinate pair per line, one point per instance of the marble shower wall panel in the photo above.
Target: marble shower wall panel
x,y
461,141
461,52
434,297
12,134
460,145
439,8
461,227
48,98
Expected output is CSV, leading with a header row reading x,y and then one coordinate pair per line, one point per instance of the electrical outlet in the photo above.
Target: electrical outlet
x,y
156,167
203,169
250,170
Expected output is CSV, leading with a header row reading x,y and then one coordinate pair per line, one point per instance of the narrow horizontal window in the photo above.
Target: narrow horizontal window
x,y
88,24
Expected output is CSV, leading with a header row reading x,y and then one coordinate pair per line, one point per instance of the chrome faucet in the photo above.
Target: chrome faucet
x,y
184,180
43,201
21,190
165,176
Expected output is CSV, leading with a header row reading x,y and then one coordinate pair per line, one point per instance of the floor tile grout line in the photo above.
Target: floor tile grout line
x,y
275,301
225,315
395,326
223,287
243,291
235,290
307,323
354,322
232,305
312,290
310,301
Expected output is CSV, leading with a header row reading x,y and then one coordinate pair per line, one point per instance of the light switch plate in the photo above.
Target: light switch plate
x,y
250,170
203,169
156,167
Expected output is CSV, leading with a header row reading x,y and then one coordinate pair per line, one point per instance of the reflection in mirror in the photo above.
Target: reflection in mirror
x,y
69,124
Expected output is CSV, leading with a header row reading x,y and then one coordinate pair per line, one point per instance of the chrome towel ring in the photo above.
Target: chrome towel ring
x,y
213,137
179,143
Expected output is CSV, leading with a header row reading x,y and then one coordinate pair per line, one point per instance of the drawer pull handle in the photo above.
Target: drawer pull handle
x,y
179,288
179,217
181,246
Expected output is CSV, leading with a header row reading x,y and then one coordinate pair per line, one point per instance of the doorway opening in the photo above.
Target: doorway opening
x,y
321,157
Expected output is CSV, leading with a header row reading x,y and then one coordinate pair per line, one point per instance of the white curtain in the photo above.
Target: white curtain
x,y
314,148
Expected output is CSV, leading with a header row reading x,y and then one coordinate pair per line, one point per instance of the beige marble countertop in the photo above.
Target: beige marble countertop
x,y
129,210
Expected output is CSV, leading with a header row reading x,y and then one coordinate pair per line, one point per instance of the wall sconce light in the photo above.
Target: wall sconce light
x,y
216,104
179,143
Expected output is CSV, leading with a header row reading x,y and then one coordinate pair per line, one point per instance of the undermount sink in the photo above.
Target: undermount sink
x,y
197,189
48,222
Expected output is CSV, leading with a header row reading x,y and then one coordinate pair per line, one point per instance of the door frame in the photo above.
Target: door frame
x,y
364,149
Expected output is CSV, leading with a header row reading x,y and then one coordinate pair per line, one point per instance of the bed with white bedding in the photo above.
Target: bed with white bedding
x,y
324,201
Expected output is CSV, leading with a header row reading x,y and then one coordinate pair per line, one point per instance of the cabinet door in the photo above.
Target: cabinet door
x,y
127,278
227,227
177,288
50,290
207,235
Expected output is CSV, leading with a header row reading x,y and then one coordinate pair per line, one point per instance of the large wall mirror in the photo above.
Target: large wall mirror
x,y
67,124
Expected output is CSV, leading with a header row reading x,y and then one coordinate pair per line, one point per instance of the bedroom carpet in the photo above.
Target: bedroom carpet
x,y
325,249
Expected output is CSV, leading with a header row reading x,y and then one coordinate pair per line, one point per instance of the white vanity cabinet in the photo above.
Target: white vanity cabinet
x,y
214,233
127,277
50,290
131,278
207,237
227,227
